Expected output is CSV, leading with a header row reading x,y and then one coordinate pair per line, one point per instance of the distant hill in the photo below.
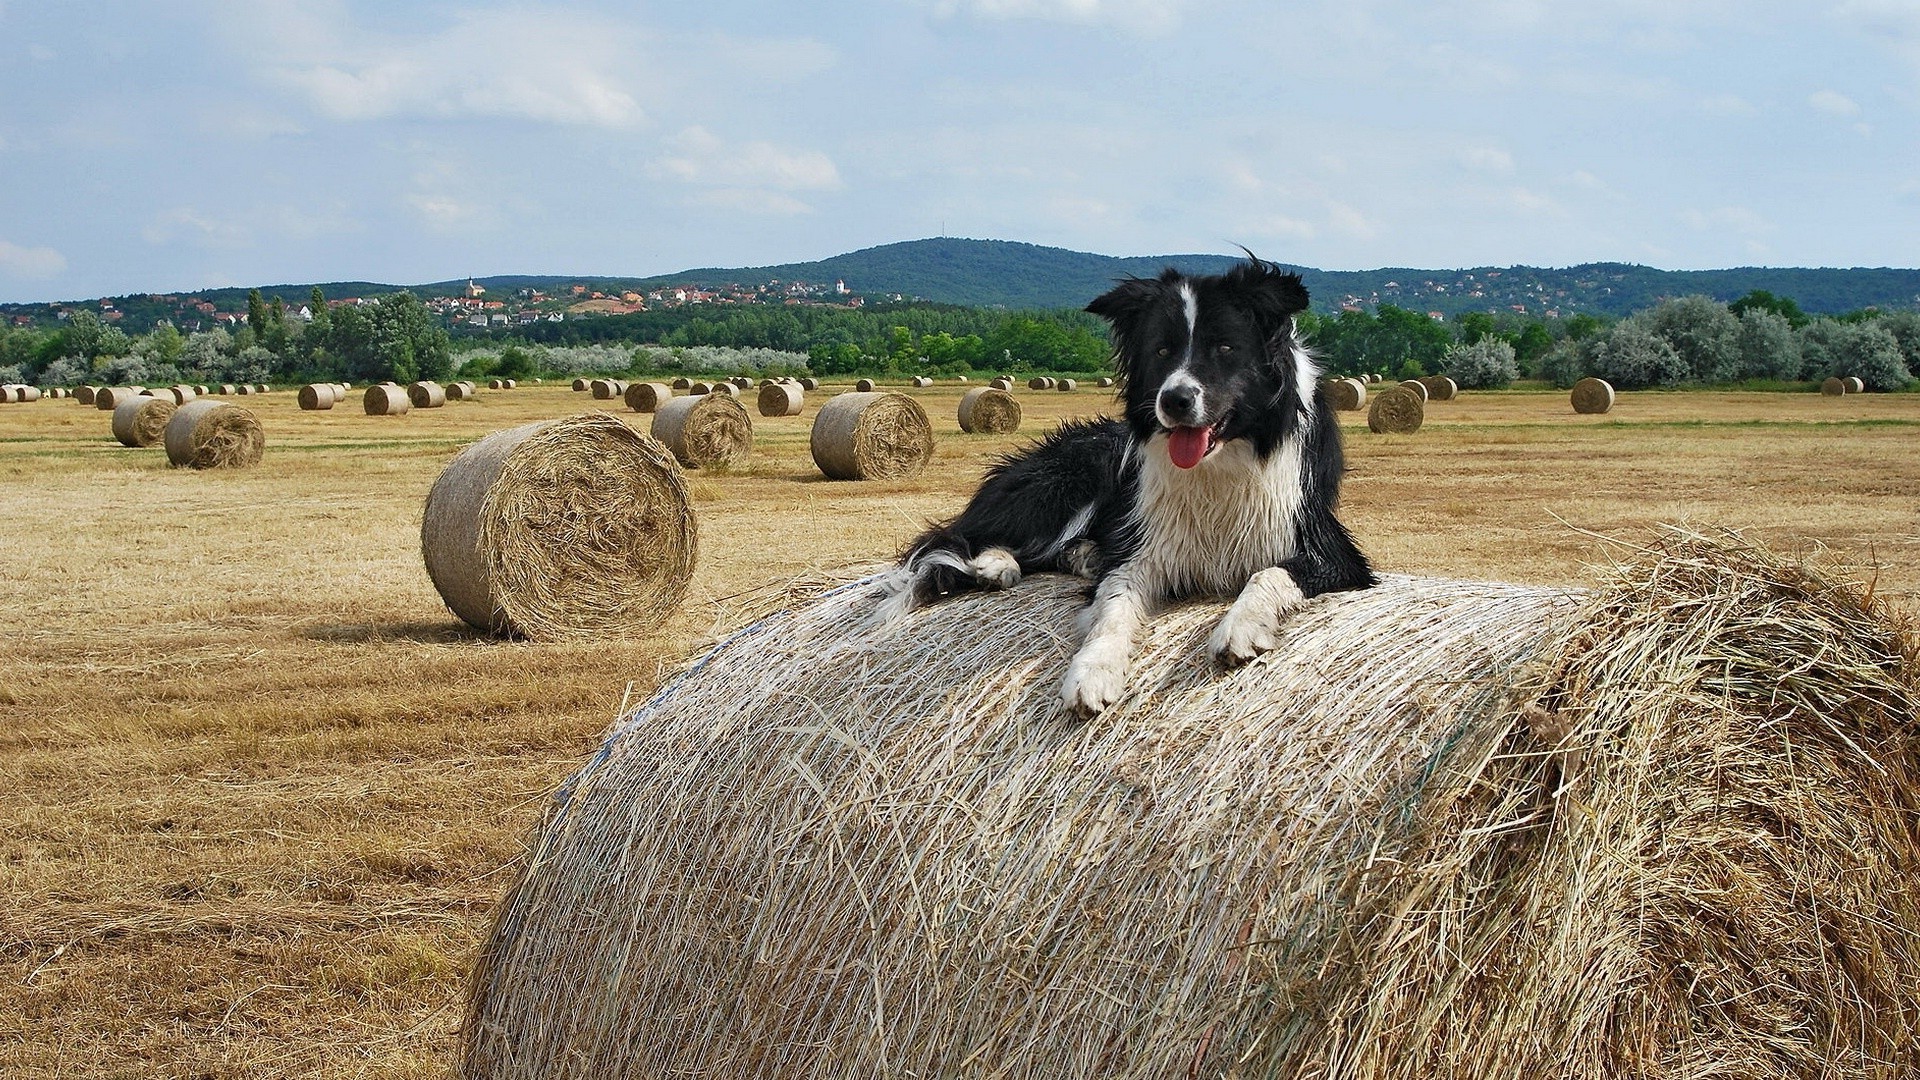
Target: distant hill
x,y
1009,274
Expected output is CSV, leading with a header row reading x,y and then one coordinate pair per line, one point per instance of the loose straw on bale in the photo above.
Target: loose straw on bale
x,y
1592,396
989,410
386,399
781,399
561,528
142,421
318,396
704,430
210,434
646,396
871,437
427,395
1447,830
1396,411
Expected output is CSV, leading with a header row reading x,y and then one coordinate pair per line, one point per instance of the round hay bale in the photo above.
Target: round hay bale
x,y
646,396
494,384
84,394
227,388
682,383
318,397
561,528
579,384
427,394
386,400
209,434
809,384
1440,388
1345,395
1105,382
511,384
989,410
7,394
1039,382
1592,395
245,389
742,382
1414,386
781,399
1834,386
142,420
26,393
1001,383
698,388
730,389
921,382
704,430
57,392
179,393
1855,385
1533,833
863,386
108,398
876,436
608,389
1396,411
461,391
1066,386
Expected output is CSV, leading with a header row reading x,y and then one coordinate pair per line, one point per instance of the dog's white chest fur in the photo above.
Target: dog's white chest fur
x,y
1204,531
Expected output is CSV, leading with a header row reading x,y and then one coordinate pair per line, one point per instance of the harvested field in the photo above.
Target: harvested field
x,y
269,836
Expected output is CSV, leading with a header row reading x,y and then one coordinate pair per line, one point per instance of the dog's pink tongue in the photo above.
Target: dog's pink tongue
x,y
1187,445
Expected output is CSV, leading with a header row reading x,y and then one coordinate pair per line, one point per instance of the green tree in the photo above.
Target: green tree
x,y
257,314
1762,300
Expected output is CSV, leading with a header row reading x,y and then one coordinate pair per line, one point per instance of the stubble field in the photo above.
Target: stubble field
x,y
259,790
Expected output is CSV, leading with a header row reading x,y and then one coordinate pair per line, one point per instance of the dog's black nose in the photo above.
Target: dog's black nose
x,y
1180,404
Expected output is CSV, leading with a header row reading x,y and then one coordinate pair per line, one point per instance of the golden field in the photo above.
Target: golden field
x,y
261,790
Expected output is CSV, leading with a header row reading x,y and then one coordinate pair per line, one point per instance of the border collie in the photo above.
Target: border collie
x,y
1220,481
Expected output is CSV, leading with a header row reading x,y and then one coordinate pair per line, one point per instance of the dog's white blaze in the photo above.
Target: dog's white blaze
x,y
1208,529
1190,301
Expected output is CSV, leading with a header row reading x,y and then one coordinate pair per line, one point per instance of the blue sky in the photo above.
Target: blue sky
x,y
172,146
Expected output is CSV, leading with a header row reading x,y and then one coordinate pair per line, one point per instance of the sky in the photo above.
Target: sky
x,y
174,145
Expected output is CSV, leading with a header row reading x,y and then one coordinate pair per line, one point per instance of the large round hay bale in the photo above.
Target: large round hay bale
x,y
871,437
1855,385
8,394
245,389
863,386
84,394
781,399
318,397
386,399
1346,395
1105,382
730,389
141,420
1440,388
645,397
513,384
1415,386
1001,383
704,430
227,389
989,410
921,382
1445,831
1039,382
1592,396
495,384
209,434
461,391
603,389
1066,385
1834,386
426,394
682,383
699,387
561,528
108,398
809,383
180,393
1396,411
580,384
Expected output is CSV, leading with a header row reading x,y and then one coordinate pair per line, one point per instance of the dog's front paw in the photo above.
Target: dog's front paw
x,y
1093,684
995,568
1252,625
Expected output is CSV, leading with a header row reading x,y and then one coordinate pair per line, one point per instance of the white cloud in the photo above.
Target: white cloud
x,y
1834,103
26,262
697,156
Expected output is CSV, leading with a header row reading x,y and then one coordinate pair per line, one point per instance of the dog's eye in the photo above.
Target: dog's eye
x,y
1164,352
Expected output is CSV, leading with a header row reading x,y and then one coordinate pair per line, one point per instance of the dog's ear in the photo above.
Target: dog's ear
x,y
1122,306
1274,295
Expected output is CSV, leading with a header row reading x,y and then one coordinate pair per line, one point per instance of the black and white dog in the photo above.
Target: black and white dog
x,y
1220,481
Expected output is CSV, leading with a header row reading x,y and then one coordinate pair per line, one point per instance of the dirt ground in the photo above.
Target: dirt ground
x,y
259,790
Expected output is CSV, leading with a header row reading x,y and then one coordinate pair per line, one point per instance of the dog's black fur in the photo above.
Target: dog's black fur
x,y
1209,368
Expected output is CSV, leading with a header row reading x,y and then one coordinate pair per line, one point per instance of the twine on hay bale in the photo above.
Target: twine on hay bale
x,y
426,394
781,399
1396,411
704,430
1440,388
989,410
1538,833
316,397
646,396
561,528
880,436
1592,396
108,398
141,420
210,434
1346,395
385,399
863,386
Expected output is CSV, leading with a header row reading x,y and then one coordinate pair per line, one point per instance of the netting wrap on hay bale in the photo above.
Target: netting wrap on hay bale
x,y
871,436
705,430
560,528
1664,829
209,434
989,410
142,421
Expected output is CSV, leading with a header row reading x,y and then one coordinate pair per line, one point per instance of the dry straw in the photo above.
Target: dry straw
x,y
607,389
1346,395
1396,411
318,396
1592,396
1440,388
427,395
386,399
1834,386
109,398
210,434
1039,382
1067,385
646,396
1855,385
580,384
863,386
781,399
704,430
1662,829
142,421
809,384
84,394
871,437
461,391
989,410
561,528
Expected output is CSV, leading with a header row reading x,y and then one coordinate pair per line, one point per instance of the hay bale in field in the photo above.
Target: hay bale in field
x,y
863,386
1440,388
809,384
730,389
108,398
579,384
227,389
1446,831
318,397
698,388
921,382
1066,385
386,399
245,389
427,394
871,437
84,394
461,391
742,381
514,384
607,389
57,392
989,410
1855,385
1415,386
1106,382
645,397
704,430
209,434
1345,395
1834,386
1396,411
781,399
178,393
1592,396
1039,382
561,528
141,420
495,384
682,383
7,394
